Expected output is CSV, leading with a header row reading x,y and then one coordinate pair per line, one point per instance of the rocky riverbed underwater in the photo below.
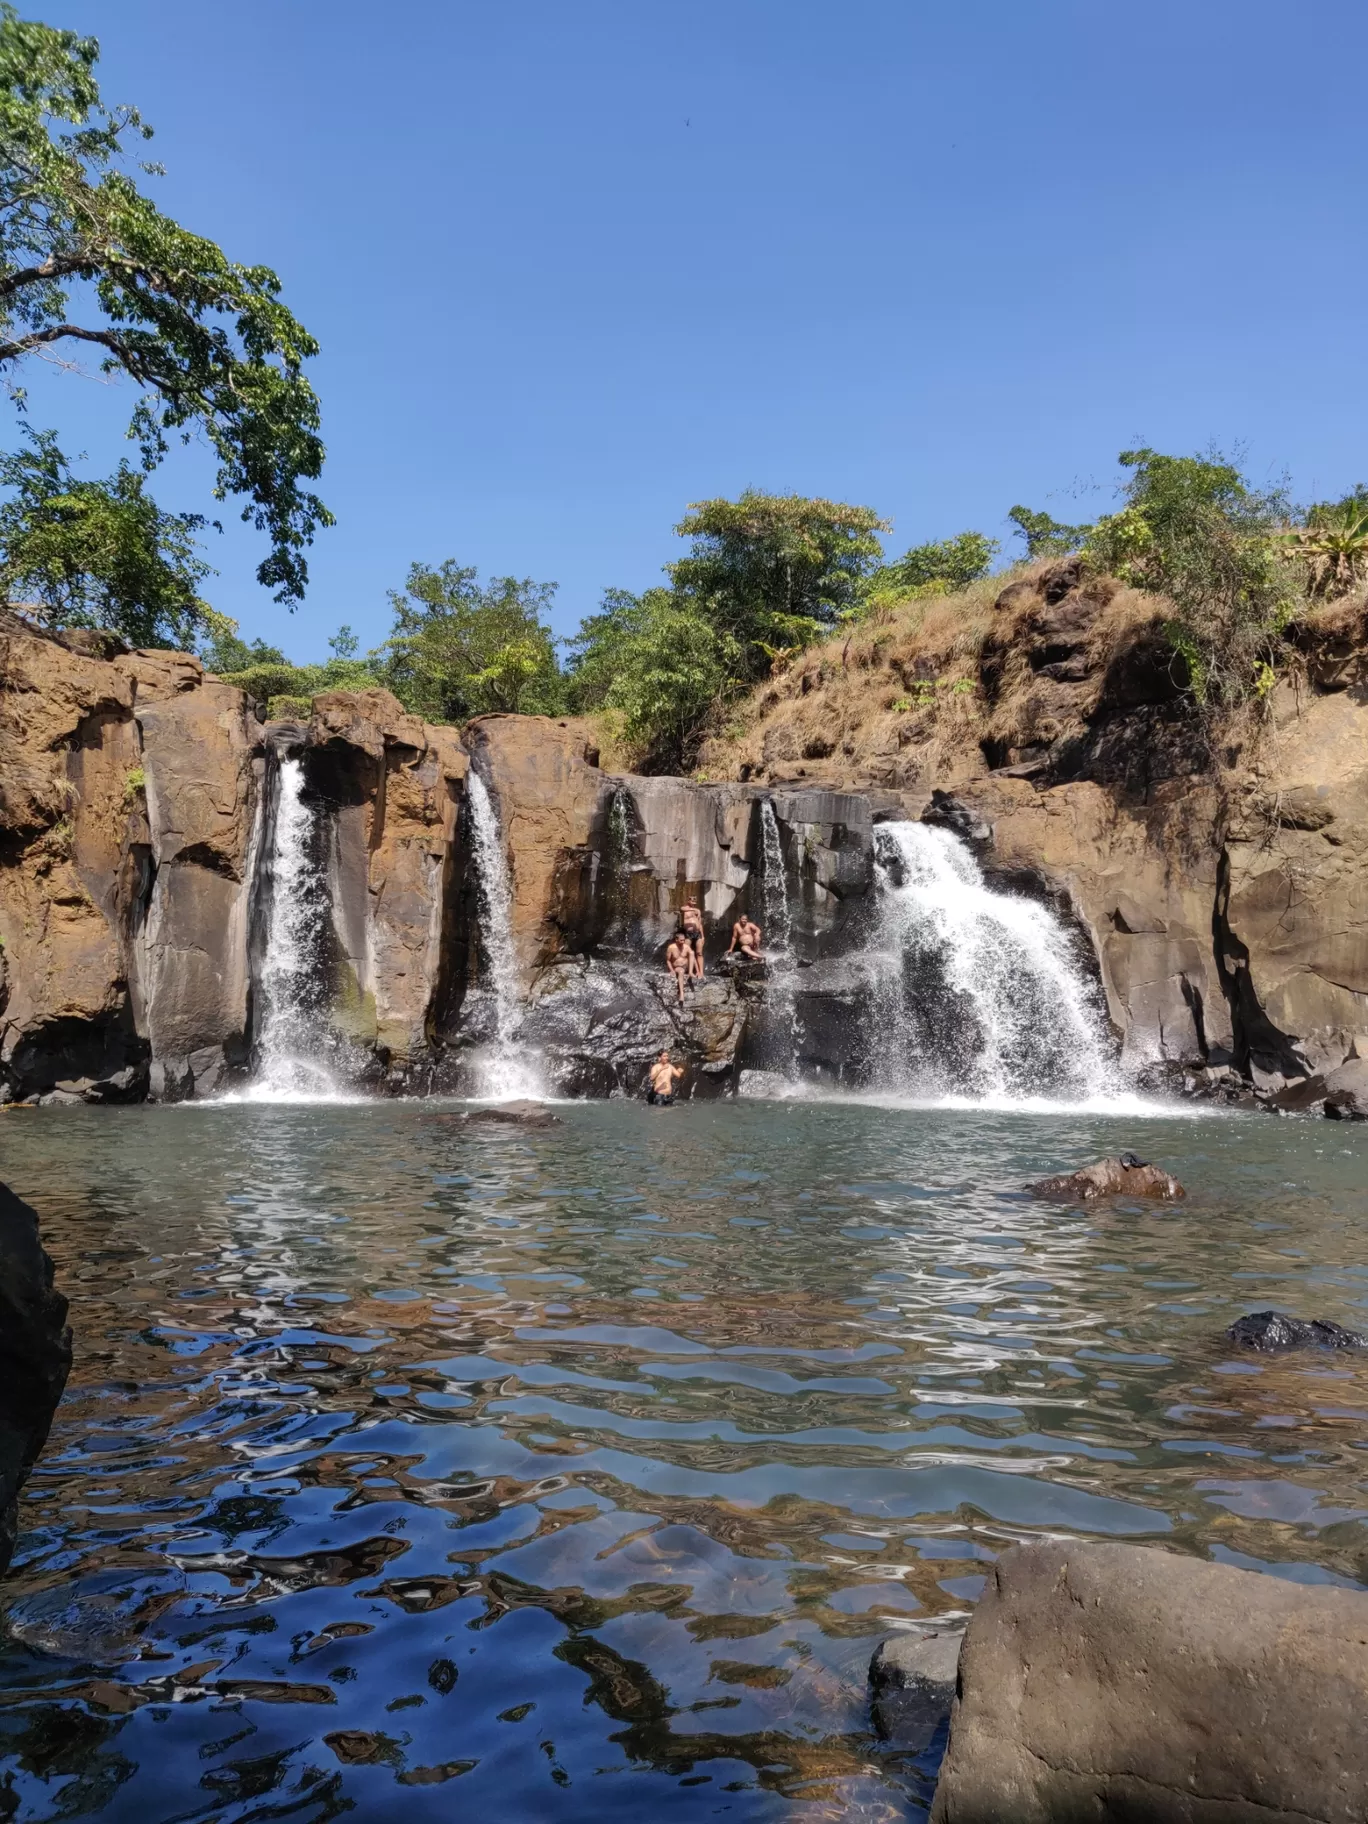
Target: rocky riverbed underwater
x,y
577,1471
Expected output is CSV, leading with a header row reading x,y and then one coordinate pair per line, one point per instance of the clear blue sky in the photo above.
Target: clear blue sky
x,y
574,266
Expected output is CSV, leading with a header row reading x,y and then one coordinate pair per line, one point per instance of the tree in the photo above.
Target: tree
x,y
79,553
1194,530
460,648
939,568
1046,537
208,341
225,651
771,572
658,665
1333,543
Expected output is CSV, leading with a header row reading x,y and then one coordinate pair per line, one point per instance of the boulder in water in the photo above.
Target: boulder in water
x,y
1124,1176
515,1114
1120,1681
912,1682
1270,1332
35,1355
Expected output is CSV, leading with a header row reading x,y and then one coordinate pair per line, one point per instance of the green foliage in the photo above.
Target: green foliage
x,y
460,648
1333,544
938,568
289,709
80,553
1046,537
772,572
273,680
135,784
207,340
658,665
225,652
1194,530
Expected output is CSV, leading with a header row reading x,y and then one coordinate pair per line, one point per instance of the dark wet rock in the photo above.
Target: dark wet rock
x,y
1123,1682
35,1355
515,1114
912,1683
1124,1176
1340,1094
949,813
1272,1331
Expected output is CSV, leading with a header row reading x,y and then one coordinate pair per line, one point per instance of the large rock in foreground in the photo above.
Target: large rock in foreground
x,y
35,1356
1119,1682
1126,1176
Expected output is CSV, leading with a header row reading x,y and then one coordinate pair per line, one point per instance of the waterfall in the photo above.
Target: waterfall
x,y
977,991
781,963
619,864
290,990
508,1070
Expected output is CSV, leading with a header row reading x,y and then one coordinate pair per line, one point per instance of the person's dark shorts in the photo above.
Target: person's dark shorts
x,y
656,1100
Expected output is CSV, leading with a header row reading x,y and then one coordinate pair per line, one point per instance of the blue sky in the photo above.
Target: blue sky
x,y
575,266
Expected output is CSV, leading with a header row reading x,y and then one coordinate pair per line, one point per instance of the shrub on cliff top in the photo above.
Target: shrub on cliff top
x,y
463,648
1194,530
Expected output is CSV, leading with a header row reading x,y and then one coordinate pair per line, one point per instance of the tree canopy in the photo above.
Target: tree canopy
x,y
83,553
939,567
771,571
462,648
87,261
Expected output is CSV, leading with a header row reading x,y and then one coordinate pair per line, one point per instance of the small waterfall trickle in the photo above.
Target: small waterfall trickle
x,y
507,1070
781,962
978,992
619,858
289,988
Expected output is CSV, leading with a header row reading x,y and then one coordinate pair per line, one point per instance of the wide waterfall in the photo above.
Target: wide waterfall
x,y
289,989
977,992
505,1068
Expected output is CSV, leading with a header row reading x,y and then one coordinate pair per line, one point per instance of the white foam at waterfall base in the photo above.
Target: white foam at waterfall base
x,y
981,994
290,1038
505,1069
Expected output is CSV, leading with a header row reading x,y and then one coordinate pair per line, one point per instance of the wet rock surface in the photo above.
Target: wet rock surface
x,y
912,1686
1120,1682
1124,1176
35,1355
1274,1331
513,1114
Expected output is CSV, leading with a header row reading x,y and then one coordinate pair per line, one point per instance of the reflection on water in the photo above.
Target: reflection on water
x,y
575,1473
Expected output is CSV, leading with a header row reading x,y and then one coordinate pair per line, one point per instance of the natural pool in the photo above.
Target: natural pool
x,y
423,1470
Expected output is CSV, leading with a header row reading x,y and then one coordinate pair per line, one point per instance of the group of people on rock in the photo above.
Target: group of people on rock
x,y
684,952
684,962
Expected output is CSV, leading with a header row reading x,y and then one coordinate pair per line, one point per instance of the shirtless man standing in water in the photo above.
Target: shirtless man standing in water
x,y
680,960
663,1076
692,920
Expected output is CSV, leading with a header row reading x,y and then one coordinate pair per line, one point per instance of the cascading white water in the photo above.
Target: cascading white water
x,y
289,1031
509,1069
781,963
977,991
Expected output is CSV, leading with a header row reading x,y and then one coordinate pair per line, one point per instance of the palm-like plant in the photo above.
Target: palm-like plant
x,y
1333,544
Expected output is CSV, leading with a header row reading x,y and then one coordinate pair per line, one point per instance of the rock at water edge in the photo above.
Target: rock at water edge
x,y
1119,1681
1125,1176
35,1355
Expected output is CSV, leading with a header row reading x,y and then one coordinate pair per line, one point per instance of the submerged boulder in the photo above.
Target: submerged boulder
x,y
1124,1682
35,1356
1273,1331
521,1113
1124,1176
912,1685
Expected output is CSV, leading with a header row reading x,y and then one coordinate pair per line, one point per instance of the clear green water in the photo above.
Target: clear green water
x,y
412,1470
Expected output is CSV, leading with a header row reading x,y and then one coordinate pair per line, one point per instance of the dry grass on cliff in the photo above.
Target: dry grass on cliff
x,y
897,699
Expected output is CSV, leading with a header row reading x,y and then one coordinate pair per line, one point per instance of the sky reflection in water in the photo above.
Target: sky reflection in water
x,y
583,1468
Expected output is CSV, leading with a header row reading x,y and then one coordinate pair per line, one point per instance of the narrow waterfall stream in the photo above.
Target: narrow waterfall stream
x,y
290,1034
778,947
978,992
507,1069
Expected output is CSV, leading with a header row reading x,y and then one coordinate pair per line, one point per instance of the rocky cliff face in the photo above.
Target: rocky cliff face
x,y
1225,905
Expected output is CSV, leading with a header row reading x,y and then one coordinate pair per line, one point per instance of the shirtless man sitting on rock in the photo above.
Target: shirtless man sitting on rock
x,y
680,961
663,1078
691,918
745,936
